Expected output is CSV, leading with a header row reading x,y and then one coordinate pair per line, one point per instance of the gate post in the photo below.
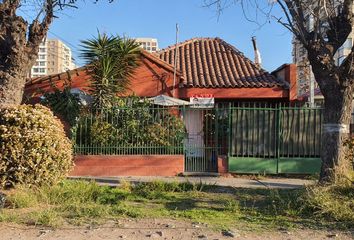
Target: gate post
x,y
229,131
185,138
278,135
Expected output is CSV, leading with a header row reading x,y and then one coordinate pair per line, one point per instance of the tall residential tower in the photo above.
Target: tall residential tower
x,y
53,57
149,44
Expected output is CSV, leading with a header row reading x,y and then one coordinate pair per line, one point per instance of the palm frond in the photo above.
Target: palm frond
x,y
113,60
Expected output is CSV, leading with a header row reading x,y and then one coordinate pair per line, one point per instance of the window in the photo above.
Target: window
x,y
35,70
41,56
42,50
42,70
41,64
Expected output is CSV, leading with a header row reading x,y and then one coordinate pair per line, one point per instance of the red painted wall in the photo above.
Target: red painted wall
x,y
236,93
150,79
154,77
129,165
288,73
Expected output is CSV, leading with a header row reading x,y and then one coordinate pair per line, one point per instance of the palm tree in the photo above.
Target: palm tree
x,y
111,60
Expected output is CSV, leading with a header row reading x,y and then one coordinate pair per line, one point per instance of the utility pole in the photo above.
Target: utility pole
x,y
175,62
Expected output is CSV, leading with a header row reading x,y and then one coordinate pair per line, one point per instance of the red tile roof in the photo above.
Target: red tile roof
x,y
213,63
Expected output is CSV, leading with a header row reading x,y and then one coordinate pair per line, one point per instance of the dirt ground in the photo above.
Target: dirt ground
x,y
158,229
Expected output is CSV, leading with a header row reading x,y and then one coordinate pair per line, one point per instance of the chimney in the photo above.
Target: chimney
x,y
257,55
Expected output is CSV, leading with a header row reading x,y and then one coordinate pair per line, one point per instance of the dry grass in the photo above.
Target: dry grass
x,y
80,202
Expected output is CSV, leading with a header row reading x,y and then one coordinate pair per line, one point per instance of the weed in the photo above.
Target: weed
x,y
47,217
124,210
71,192
333,202
21,198
232,206
6,216
86,210
109,195
125,185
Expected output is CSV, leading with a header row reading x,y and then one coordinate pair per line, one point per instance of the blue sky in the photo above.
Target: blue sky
x,y
157,18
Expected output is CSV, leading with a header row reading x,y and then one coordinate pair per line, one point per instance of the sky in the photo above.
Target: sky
x,y
157,19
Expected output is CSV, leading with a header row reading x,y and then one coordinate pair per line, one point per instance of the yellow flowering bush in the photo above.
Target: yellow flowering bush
x,y
33,146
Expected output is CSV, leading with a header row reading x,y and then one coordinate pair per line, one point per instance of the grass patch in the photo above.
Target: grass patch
x,y
332,202
47,217
81,202
22,198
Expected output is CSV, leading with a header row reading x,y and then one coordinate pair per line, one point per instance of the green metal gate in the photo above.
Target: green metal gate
x,y
274,139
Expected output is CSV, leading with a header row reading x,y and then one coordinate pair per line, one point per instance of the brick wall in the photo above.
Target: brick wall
x,y
128,165
223,164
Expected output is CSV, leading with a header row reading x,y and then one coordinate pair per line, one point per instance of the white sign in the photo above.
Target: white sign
x,y
202,101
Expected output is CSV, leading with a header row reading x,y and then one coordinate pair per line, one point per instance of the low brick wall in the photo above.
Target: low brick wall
x,y
128,165
223,164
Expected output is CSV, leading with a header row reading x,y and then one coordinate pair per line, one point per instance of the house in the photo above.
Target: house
x,y
206,69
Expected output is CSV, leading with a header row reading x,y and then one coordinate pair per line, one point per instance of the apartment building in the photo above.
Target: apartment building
x,y
305,75
53,57
148,44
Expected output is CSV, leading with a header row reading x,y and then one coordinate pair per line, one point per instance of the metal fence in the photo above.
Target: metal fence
x,y
256,137
127,131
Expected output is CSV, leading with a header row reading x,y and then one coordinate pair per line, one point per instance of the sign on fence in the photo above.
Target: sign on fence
x,y
202,101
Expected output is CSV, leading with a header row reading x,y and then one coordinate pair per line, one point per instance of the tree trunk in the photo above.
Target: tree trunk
x,y
12,86
14,56
337,116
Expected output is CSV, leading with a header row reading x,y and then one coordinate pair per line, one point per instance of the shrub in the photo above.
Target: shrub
x,y
34,148
63,103
102,133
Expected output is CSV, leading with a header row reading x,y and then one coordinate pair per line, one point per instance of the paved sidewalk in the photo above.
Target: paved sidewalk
x,y
237,182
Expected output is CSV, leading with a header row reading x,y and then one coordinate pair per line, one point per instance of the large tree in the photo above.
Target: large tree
x,y
20,40
322,27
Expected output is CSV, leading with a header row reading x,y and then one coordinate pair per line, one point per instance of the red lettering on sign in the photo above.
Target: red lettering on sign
x,y
203,95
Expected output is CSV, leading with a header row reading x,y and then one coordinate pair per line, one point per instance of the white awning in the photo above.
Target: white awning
x,y
164,100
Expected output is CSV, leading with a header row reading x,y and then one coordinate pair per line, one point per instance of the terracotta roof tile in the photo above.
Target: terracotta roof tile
x,y
213,63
